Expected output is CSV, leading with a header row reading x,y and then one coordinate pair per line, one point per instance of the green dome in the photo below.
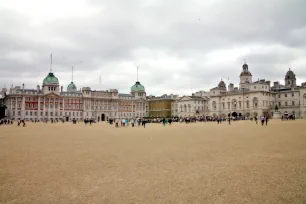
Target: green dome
x,y
71,87
50,79
137,87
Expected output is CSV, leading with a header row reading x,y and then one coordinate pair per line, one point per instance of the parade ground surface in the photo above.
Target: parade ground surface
x,y
195,163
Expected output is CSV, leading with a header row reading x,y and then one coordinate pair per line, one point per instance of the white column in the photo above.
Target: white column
x,y
63,108
23,107
53,115
49,108
44,105
11,107
38,107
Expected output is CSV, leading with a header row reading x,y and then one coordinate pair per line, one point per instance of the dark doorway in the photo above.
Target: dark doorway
x,y
234,114
103,117
240,114
98,118
2,111
67,119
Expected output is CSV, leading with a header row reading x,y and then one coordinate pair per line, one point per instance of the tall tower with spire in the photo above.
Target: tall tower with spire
x,y
138,90
245,77
50,83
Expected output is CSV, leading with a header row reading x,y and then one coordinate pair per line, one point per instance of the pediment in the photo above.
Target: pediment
x,y
52,95
185,98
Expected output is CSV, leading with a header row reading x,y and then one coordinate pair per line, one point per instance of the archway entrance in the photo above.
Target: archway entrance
x,y
103,117
234,114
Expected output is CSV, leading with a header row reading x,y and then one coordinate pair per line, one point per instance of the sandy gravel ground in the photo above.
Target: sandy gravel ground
x,y
197,163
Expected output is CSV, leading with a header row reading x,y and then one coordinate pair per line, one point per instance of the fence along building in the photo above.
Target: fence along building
x,y
51,102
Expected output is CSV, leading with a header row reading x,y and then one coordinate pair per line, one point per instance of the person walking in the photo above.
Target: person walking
x,y
262,119
255,118
229,120
267,119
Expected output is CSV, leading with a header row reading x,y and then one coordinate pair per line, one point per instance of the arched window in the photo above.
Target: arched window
x,y
255,102
214,104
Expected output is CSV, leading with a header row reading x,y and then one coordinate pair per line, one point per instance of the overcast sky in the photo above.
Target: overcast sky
x,y
180,46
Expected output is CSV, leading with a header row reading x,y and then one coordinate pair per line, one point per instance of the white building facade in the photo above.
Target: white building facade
x,y
257,98
190,106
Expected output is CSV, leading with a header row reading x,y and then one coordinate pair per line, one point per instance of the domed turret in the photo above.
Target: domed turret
x,y
50,79
290,75
221,84
71,87
50,84
245,71
290,79
137,87
138,90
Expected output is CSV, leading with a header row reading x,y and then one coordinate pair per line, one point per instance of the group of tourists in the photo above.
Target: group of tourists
x,y
90,121
288,117
6,122
127,122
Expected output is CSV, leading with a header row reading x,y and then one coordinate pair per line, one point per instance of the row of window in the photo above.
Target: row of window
x,y
52,88
77,106
185,108
286,95
34,113
264,87
234,104
287,104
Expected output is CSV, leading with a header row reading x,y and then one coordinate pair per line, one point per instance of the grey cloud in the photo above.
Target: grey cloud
x,y
103,43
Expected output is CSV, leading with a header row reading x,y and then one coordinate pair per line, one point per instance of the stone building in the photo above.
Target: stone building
x,y
52,102
190,106
160,107
255,98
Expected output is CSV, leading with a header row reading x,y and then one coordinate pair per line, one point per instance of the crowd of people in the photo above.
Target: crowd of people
x,y
164,121
126,122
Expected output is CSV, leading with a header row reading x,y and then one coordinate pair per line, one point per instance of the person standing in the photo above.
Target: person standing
x,y
144,123
132,122
255,118
117,122
229,120
267,119
139,121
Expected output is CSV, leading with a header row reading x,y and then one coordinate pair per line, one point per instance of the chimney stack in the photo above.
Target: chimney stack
x,y
61,88
38,88
22,87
